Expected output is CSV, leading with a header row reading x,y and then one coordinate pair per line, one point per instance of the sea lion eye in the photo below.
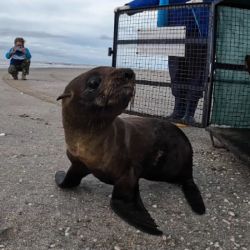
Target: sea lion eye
x,y
94,82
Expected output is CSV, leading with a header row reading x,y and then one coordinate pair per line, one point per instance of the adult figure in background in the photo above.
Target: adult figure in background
x,y
187,73
19,59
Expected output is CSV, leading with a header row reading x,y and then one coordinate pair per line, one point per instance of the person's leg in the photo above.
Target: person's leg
x,y
28,67
25,68
180,104
190,110
176,70
13,71
196,67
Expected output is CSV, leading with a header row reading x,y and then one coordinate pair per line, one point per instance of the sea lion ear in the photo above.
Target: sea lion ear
x,y
63,96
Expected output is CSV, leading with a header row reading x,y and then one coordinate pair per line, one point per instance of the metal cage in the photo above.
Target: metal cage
x,y
188,54
171,59
230,104
230,66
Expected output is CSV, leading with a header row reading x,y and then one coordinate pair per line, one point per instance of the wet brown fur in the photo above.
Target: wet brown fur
x,y
120,151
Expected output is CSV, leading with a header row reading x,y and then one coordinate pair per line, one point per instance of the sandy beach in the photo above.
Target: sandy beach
x,y
35,214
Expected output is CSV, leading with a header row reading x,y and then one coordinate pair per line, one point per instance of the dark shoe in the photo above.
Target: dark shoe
x,y
175,116
191,108
15,77
179,109
189,120
24,77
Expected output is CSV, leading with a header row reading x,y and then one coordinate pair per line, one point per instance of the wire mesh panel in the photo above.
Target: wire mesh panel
x,y
167,47
231,95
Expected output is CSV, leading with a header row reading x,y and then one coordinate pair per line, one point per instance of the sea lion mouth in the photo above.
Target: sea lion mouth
x,y
118,95
117,89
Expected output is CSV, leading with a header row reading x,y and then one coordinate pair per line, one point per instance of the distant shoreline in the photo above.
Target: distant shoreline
x,y
48,65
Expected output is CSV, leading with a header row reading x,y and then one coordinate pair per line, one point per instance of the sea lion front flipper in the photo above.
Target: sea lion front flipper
x,y
73,177
126,202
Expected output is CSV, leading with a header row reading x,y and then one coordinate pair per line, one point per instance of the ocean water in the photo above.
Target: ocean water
x,y
5,63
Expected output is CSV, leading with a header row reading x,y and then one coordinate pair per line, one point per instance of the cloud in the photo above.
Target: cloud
x,y
27,33
72,31
105,37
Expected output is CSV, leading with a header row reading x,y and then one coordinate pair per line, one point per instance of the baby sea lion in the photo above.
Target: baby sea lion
x,y
120,151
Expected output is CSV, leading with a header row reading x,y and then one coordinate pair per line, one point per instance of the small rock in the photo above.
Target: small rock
x,y
216,244
1,246
232,238
172,244
2,134
236,244
6,232
66,233
154,206
52,245
164,237
117,248
95,240
227,222
231,213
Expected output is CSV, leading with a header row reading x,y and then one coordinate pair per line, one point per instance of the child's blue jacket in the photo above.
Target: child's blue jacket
x,y
18,56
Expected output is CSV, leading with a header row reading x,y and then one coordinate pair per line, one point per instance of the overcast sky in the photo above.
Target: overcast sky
x,y
69,31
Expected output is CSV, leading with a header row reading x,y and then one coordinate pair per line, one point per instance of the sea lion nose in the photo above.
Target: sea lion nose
x,y
128,74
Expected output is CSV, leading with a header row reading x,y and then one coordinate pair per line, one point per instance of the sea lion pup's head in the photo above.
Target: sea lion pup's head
x,y
98,95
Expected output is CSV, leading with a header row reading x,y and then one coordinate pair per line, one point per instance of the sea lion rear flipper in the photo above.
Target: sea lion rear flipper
x,y
193,196
126,203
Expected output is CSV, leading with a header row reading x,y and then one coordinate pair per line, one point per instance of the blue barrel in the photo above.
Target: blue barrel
x,y
162,16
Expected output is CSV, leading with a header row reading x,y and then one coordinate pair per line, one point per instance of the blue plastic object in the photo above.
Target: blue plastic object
x,y
162,16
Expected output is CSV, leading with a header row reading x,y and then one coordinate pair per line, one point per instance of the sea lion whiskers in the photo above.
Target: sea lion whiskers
x,y
110,89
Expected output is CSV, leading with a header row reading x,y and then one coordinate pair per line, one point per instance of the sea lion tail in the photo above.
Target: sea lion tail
x,y
193,196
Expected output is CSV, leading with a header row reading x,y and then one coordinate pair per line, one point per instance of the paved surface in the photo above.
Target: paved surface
x,y
35,214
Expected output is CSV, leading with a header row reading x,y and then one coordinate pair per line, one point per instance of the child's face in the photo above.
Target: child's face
x,y
19,44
